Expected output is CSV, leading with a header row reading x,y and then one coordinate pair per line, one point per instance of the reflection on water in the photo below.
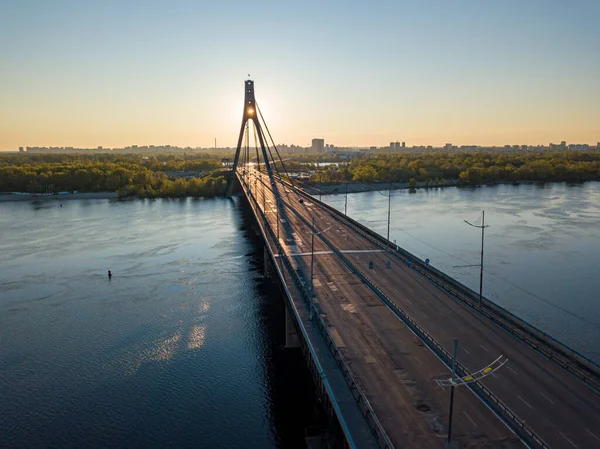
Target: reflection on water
x,y
542,250
181,348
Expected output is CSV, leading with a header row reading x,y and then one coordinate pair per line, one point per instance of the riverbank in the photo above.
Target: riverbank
x,y
355,187
6,197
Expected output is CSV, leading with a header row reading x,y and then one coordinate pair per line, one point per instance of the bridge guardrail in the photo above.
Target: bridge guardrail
x,y
357,392
517,326
516,424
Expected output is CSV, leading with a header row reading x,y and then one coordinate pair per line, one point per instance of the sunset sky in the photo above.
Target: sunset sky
x,y
116,73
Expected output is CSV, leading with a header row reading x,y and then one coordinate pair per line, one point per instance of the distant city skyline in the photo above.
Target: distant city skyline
x,y
120,73
318,146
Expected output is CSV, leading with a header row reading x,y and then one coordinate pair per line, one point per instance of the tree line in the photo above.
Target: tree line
x,y
467,168
147,176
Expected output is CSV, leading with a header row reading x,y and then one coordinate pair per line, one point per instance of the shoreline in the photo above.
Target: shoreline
x,y
339,188
9,197
312,188
357,187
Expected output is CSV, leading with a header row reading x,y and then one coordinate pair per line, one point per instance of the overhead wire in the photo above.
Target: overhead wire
x,y
275,147
268,148
256,147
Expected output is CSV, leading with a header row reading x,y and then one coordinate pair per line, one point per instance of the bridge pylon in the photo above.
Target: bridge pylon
x,y
250,113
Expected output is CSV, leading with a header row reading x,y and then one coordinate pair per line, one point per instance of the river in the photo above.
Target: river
x,y
541,251
183,347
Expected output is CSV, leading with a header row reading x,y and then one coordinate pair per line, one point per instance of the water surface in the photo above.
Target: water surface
x,y
182,348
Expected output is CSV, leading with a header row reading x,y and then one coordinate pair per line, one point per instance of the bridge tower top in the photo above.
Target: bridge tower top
x,y
250,113
249,101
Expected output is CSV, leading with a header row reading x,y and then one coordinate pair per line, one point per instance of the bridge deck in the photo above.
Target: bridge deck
x,y
360,432
394,367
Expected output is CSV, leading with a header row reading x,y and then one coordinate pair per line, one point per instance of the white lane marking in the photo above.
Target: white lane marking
x,y
525,402
484,348
316,253
569,440
358,251
424,315
395,289
588,431
460,329
443,331
417,359
464,349
472,422
508,367
547,398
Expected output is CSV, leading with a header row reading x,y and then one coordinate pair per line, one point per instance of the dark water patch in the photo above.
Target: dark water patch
x,y
182,348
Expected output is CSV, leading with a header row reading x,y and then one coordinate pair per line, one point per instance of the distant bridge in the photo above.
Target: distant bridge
x,y
377,326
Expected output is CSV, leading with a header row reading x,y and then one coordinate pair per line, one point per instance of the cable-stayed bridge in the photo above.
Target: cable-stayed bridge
x,y
377,326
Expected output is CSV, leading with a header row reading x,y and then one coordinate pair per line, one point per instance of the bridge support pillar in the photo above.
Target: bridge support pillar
x,y
268,263
291,337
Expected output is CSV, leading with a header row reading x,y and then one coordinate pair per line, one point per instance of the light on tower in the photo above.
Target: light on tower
x,y
250,111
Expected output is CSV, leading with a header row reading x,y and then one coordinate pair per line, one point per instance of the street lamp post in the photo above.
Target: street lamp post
x,y
452,393
389,211
312,264
482,226
277,207
458,381
389,195
346,202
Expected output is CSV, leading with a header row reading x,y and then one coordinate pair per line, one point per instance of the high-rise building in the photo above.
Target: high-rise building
x,y
403,144
21,150
318,145
562,146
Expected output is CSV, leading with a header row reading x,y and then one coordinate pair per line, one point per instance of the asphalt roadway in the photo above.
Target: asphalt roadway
x,y
396,370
